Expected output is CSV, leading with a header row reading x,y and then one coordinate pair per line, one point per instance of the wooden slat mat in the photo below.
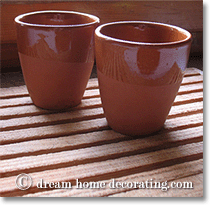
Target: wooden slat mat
x,y
79,145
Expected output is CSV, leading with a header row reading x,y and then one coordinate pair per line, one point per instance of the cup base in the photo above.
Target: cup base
x,y
57,108
132,133
55,85
135,109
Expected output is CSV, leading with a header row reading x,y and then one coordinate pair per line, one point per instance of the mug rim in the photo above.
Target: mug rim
x,y
179,29
19,17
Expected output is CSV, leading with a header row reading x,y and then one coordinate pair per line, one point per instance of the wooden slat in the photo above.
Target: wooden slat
x,y
60,144
29,109
16,121
79,144
188,98
53,130
184,122
25,101
51,119
185,89
181,110
50,145
98,153
197,192
92,84
116,167
16,101
192,79
11,92
84,127
170,173
22,91
32,110
192,72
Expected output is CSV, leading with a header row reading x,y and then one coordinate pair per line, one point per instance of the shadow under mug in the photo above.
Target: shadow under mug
x,y
140,66
56,51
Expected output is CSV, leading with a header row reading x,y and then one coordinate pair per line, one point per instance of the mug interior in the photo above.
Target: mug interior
x,y
48,18
145,32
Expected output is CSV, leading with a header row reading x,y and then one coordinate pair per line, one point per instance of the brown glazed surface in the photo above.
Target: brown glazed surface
x,y
56,50
140,68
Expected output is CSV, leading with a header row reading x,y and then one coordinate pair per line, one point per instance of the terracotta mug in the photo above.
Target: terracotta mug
x,y
140,67
56,51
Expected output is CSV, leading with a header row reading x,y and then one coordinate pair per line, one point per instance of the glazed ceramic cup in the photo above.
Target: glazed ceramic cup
x,y
56,51
140,67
